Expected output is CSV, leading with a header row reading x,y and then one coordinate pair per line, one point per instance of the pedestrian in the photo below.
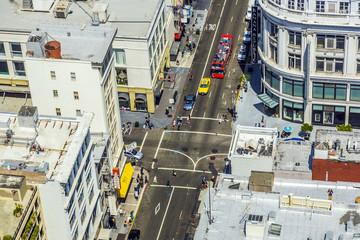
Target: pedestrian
x,y
166,111
182,54
205,185
130,220
174,173
168,183
220,121
114,223
155,179
178,128
125,224
196,21
187,38
121,212
174,124
137,178
146,180
132,215
177,63
262,119
189,116
225,118
259,125
213,179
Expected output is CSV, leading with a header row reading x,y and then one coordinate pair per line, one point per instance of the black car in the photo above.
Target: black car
x,y
134,235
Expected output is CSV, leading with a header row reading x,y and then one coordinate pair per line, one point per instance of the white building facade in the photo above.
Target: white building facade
x,y
83,79
310,60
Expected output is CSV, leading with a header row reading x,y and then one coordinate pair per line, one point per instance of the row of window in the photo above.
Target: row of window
x,y
56,95
290,87
18,66
58,112
343,7
15,49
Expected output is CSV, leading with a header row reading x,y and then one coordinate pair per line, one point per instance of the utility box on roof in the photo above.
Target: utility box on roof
x,y
28,116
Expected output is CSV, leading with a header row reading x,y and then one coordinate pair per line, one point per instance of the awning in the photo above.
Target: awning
x,y
124,95
267,100
140,97
125,181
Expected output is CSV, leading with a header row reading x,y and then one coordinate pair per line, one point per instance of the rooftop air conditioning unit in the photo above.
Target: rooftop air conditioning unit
x,y
62,9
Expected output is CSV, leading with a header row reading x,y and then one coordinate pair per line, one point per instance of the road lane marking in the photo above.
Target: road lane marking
x,y
167,208
207,59
210,95
180,214
231,19
176,151
217,116
236,2
223,95
225,103
204,115
157,208
182,187
142,144
208,133
162,135
214,154
229,74
238,37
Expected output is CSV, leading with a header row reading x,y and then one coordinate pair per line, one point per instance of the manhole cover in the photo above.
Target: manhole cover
x,y
214,151
212,158
185,149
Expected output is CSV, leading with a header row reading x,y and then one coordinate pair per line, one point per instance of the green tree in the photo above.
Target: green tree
x,y
345,128
244,78
307,127
7,237
18,209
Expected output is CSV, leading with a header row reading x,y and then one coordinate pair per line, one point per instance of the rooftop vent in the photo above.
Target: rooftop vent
x,y
100,14
275,230
53,49
35,44
62,9
28,116
27,4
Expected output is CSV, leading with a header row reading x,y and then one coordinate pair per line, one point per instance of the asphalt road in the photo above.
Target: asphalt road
x,y
199,149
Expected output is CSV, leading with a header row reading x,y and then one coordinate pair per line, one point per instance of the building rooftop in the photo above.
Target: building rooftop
x,y
76,42
295,209
293,156
132,18
253,149
11,181
51,148
261,178
337,145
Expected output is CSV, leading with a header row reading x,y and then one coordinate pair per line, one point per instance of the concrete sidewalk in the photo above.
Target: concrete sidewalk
x,y
130,206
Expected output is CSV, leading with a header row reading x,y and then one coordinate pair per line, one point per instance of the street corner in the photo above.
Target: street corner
x,y
211,162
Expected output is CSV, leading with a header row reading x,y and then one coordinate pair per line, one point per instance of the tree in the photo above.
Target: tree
x,y
345,128
244,78
7,237
307,127
18,210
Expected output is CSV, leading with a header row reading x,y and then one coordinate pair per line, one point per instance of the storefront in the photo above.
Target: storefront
x,y
332,115
140,102
354,116
124,100
293,111
271,102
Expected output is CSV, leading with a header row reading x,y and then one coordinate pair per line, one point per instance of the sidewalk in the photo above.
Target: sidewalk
x,y
130,205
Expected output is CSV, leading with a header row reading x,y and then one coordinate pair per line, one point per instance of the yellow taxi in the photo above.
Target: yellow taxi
x,y
204,86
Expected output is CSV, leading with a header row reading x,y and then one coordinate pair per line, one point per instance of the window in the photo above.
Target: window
x,y
293,111
2,49
330,42
83,215
328,114
358,7
273,30
355,93
329,91
120,59
344,7
273,50
91,195
55,93
320,6
88,179
329,64
278,2
294,61
273,79
72,219
76,95
58,112
76,234
293,88
81,198
52,75
78,112
300,5
291,4
19,68
295,38
4,70
73,76
15,49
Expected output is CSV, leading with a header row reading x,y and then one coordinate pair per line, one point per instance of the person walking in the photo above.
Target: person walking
x,y
174,173
220,121
177,63
168,183
174,124
125,224
155,179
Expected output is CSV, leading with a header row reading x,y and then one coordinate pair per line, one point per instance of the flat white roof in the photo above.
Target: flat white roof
x,y
59,140
132,18
230,208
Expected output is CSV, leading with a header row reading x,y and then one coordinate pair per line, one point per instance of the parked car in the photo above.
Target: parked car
x,y
247,36
134,234
242,53
131,152
189,101
204,86
248,14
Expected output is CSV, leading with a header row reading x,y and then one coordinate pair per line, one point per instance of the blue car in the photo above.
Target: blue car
x,y
189,101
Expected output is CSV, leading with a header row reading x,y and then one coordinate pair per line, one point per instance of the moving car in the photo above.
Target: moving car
x,y
189,101
242,53
131,152
247,35
248,14
204,86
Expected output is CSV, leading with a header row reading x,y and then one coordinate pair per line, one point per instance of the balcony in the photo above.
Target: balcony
x,y
309,17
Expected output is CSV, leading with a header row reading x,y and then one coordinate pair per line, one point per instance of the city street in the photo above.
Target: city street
x,y
198,149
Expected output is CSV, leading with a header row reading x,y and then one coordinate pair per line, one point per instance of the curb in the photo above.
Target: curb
x,y
137,207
